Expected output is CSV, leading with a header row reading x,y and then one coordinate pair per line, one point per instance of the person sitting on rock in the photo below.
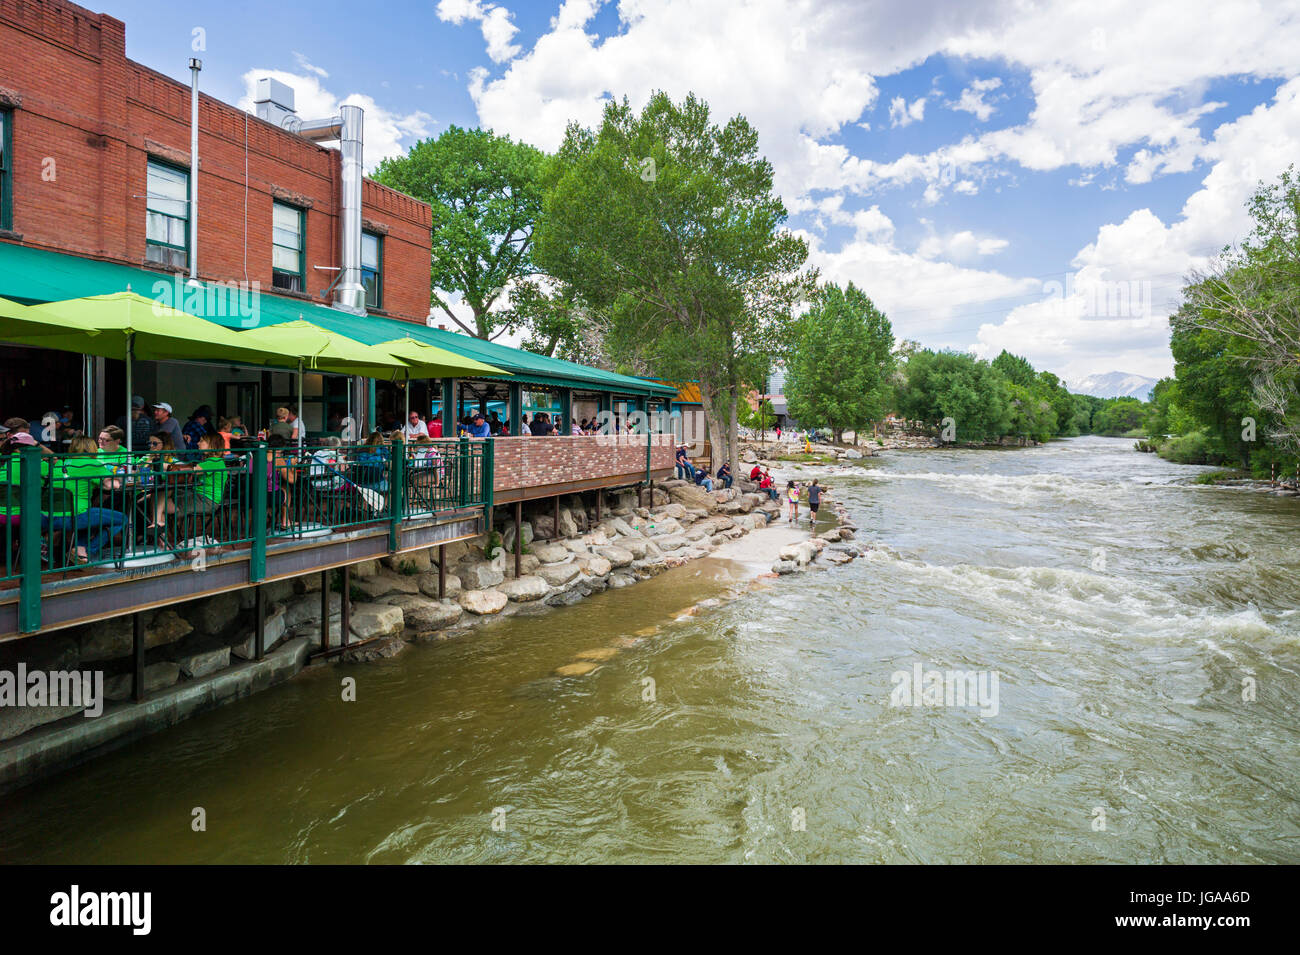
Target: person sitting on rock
x,y
724,474
702,478
756,472
765,483
684,469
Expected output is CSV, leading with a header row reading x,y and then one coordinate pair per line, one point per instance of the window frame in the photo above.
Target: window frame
x,y
302,248
6,169
378,270
164,164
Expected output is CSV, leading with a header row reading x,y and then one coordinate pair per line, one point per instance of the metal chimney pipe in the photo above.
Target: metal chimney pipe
x,y
195,66
350,294
349,129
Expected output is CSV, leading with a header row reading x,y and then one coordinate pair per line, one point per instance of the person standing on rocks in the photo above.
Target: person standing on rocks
x,y
814,500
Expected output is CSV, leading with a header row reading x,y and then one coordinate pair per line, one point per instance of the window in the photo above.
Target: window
x,y
372,269
287,247
6,171
167,234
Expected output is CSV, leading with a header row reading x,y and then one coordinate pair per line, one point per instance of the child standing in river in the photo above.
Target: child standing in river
x,y
792,496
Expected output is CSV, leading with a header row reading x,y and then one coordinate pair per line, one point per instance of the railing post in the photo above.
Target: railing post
x,y
29,540
260,477
487,464
462,472
396,476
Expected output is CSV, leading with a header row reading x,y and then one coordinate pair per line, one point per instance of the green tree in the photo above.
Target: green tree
x,y
957,386
839,368
668,225
761,417
1119,416
486,195
1214,383
1252,295
1015,369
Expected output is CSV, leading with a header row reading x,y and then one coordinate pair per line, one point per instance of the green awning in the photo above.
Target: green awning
x,y
34,275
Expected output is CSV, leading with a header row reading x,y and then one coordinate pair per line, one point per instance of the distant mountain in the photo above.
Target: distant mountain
x,y
1114,384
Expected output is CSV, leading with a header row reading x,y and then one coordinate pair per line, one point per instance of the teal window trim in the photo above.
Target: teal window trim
x,y
301,274
6,169
150,197
377,271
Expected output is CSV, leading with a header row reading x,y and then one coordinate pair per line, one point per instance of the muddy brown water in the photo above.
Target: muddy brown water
x,y
1123,610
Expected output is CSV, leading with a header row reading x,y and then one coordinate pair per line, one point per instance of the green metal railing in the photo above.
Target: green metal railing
x,y
100,513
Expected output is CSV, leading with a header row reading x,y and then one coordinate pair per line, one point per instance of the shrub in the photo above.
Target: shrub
x,y
1194,448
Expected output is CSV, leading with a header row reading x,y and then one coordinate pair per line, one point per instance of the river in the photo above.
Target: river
x,y
1124,611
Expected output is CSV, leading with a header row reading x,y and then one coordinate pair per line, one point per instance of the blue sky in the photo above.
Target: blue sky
x,y
950,159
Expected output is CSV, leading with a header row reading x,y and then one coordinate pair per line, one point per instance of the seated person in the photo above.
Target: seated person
x,y
701,477
200,496
755,473
684,469
80,474
724,474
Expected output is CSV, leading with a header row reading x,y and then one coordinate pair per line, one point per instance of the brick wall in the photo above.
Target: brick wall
x,y
80,103
536,462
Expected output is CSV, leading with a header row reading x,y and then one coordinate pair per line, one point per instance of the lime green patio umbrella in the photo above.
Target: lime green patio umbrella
x,y
430,361
126,326
320,349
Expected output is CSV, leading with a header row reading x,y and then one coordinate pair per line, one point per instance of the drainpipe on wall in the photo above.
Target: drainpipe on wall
x,y
195,66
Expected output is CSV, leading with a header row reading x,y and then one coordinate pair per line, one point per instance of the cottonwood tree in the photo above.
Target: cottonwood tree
x,y
838,371
1252,294
956,385
486,194
667,224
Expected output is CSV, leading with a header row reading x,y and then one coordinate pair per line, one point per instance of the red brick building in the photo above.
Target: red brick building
x,y
95,162
83,123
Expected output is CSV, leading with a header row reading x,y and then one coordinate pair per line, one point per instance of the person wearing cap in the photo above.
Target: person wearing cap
x,y
16,426
14,438
164,423
684,469
478,427
140,424
200,423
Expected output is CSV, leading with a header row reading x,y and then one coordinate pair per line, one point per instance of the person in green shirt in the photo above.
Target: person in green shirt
x,y
77,476
204,494
111,452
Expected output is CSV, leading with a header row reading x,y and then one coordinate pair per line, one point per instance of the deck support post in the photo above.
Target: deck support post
x,y
557,517
345,617
324,610
259,611
442,571
519,537
137,646
600,499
